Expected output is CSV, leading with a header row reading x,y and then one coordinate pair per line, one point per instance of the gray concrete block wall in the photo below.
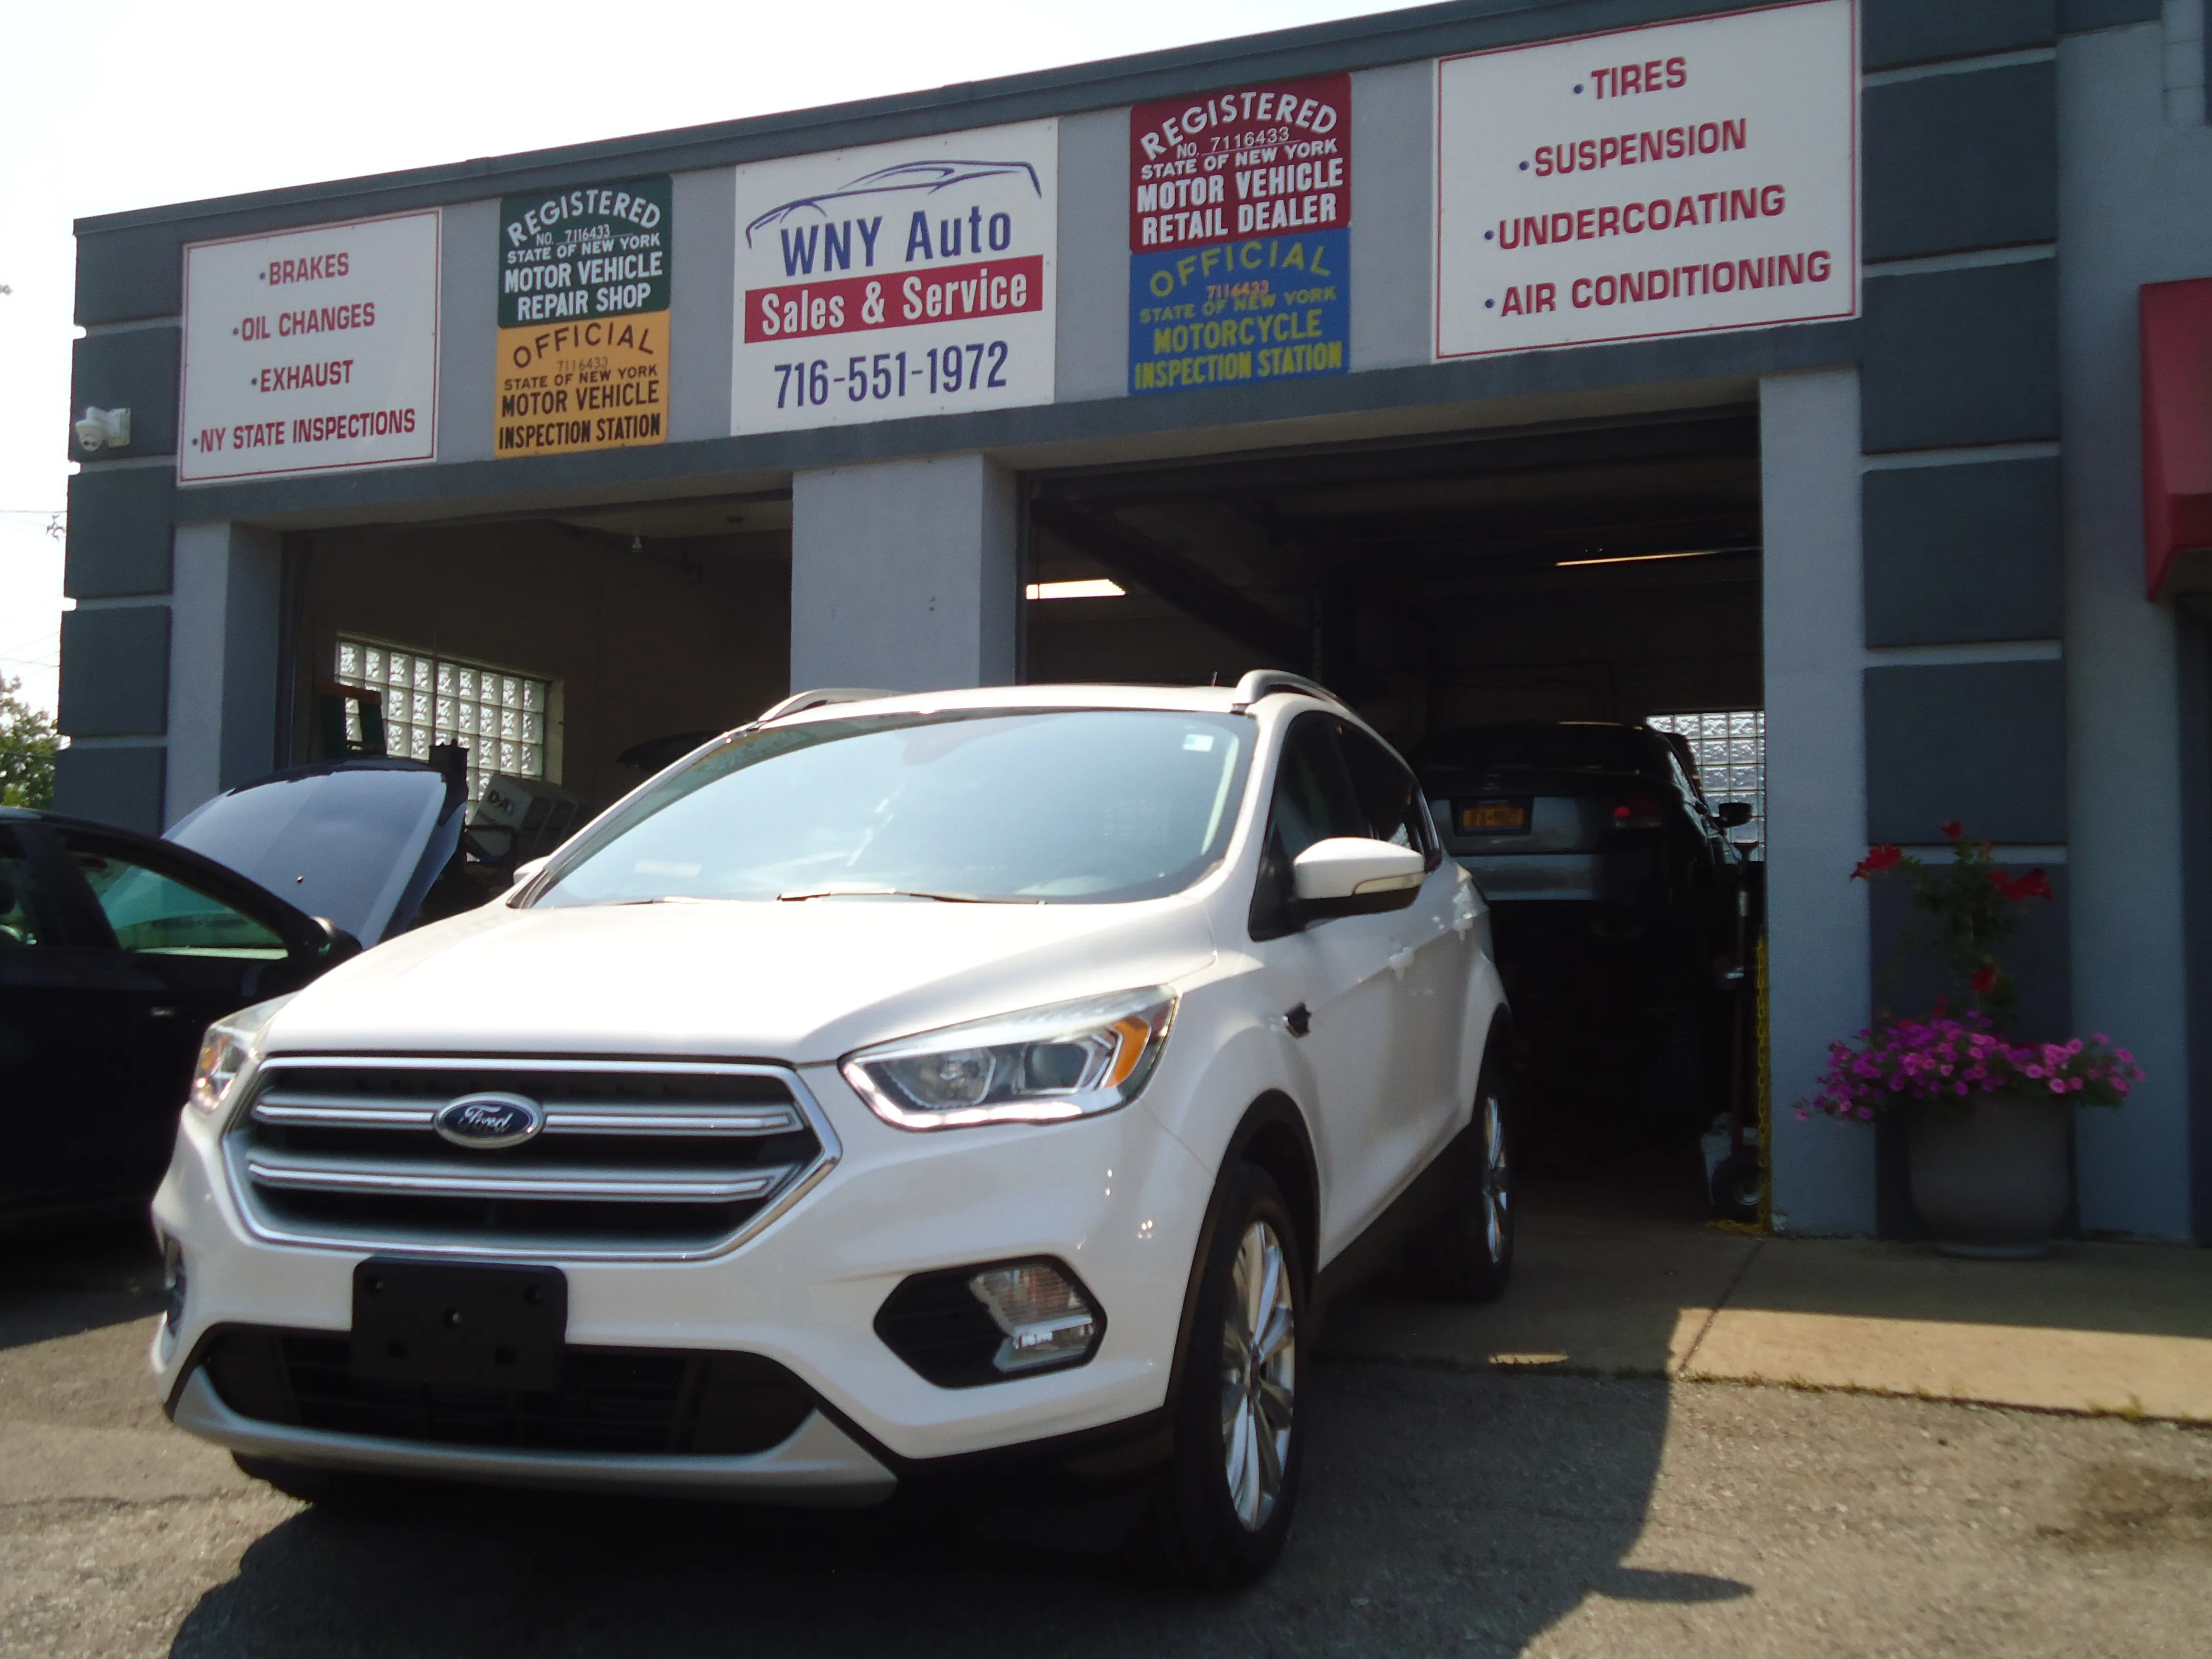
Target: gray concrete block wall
x,y
122,784
119,532
1893,33
1963,553
1981,742
1962,357
115,672
133,368
1961,161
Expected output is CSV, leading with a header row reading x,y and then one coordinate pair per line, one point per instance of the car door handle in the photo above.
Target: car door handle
x,y
1400,960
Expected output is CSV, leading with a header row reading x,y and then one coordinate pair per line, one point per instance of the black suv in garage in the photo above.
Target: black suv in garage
x,y
1613,886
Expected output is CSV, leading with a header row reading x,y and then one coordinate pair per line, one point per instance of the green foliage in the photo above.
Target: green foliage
x,y
28,742
1974,908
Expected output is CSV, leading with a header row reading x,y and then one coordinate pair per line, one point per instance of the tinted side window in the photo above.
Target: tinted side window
x,y
153,913
1314,798
1389,798
27,916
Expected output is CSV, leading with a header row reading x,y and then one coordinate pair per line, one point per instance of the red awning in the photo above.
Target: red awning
x,y
2177,418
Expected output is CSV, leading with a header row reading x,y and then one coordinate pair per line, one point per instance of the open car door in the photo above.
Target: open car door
x,y
122,949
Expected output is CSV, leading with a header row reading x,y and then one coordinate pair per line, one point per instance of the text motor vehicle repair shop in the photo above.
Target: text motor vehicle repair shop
x,y
1721,370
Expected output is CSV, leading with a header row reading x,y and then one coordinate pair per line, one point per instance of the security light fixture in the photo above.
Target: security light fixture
x,y
104,428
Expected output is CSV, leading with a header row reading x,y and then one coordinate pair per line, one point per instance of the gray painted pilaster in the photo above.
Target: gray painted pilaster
x,y
903,574
2123,168
1817,971
1393,215
1092,305
702,302
224,626
468,332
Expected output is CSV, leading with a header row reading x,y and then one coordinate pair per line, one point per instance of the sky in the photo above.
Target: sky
x,y
129,104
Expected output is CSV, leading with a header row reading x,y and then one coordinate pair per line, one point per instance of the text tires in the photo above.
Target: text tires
x,y
1225,1505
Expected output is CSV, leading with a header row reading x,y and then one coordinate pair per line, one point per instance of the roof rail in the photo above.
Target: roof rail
x,y
1265,682
799,701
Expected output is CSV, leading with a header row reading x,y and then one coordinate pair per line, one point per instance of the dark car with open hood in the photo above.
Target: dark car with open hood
x,y
118,951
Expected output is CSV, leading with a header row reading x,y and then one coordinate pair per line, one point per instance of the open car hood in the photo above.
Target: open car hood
x,y
358,841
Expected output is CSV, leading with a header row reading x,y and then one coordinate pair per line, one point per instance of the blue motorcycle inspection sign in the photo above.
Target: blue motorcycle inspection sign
x,y
1261,310
1239,242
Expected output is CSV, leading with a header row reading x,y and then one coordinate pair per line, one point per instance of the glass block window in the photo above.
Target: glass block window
x,y
1730,747
497,715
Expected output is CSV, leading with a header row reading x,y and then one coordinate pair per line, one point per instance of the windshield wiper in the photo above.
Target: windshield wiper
x,y
865,889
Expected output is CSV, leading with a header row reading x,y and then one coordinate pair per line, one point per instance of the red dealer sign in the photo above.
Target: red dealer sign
x,y
2176,417
1263,161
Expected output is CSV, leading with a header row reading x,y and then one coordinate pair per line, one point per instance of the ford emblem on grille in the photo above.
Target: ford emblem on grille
x,y
488,1122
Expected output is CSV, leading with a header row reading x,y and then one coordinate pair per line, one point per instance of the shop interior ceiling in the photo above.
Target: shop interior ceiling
x,y
1266,551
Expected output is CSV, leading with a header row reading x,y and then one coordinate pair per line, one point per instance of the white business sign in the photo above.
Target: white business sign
x,y
310,350
903,279
1678,179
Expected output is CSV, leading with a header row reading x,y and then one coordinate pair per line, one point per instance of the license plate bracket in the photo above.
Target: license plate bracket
x,y
459,1323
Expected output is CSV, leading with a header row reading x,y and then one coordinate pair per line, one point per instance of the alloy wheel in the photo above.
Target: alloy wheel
x,y
1259,1375
1497,1180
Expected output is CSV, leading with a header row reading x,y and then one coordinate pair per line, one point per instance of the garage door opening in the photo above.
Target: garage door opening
x,y
1547,622
550,664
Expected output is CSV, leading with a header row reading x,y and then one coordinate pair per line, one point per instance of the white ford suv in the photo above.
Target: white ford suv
x,y
897,1085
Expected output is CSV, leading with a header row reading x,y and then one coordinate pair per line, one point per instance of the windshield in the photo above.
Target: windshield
x,y
1564,747
1084,806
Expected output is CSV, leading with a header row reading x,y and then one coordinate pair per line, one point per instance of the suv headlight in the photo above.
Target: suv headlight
x,y
1040,1066
231,1046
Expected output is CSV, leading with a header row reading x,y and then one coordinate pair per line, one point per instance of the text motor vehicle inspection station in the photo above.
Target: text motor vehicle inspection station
x,y
1674,439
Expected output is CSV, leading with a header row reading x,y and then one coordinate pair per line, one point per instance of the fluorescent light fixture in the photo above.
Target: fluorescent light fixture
x,y
1097,587
1639,558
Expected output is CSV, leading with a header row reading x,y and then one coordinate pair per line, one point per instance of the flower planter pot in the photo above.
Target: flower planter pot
x,y
1992,1181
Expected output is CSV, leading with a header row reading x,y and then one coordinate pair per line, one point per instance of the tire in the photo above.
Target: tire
x,y
1737,1187
1465,1252
325,1488
1223,1506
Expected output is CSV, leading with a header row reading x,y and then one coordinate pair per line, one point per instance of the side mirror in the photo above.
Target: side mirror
x,y
528,869
338,944
1733,814
1352,875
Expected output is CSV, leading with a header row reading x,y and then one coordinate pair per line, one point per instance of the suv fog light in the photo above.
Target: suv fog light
x,y
1045,1318
960,1326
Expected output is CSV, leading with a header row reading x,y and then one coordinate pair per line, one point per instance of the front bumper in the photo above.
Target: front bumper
x,y
1115,1197
819,1464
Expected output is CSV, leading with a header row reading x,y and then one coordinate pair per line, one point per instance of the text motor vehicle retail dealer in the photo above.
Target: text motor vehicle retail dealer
x,y
911,278
311,349
1217,291
1582,200
583,283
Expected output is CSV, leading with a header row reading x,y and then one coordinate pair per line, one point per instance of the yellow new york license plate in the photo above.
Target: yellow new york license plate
x,y
1489,816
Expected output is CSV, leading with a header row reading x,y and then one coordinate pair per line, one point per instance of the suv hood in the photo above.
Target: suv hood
x,y
800,982
358,841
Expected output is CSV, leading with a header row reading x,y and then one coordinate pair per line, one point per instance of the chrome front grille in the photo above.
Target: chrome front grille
x,y
662,1159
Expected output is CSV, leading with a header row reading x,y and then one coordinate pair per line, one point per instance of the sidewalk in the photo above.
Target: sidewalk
x,y
1598,1288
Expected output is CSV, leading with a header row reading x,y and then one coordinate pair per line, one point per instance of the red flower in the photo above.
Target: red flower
x,y
1951,830
1985,979
1877,860
2033,884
